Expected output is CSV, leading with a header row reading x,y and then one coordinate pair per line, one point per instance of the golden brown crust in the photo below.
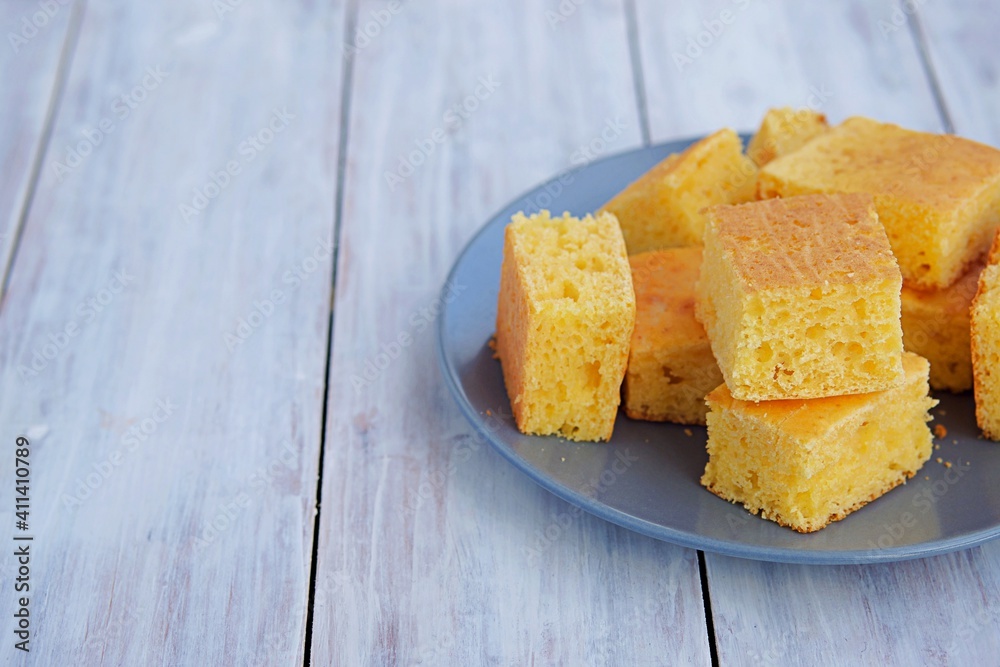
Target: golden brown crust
x,y
671,366
938,196
810,239
664,293
935,170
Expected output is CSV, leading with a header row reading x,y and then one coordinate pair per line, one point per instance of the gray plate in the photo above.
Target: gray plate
x,y
646,477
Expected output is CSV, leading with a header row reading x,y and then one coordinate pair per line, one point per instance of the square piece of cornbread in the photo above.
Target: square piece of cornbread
x,y
806,463
986,345
565,315
800,298
938,196
670,363
936,326
783,131
663,208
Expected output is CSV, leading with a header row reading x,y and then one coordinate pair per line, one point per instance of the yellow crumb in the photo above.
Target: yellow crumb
x,y
688,432
947,464
939,460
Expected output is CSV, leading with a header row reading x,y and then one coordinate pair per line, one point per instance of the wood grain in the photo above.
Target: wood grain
x,y
937,611
35,40
175,404
725,62
433,550
962,50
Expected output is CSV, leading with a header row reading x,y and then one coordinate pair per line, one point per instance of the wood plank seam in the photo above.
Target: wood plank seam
x,y
55,99
638,78
920,40
346,86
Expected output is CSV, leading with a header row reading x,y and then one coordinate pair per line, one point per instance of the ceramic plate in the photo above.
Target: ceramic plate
x,y
646,477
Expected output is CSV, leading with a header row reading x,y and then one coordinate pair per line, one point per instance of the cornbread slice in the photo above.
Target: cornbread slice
x,y
784,131
938,196
986,345
670,363
936,326
663,208
565,316
806,463
800,298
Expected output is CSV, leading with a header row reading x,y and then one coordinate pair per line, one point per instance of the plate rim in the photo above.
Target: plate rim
x,y
733,548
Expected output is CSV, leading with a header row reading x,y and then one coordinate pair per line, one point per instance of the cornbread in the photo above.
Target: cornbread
x,y
800,298
565,315
936,326
784,131
670,363
986,345
663,208
938,196
805,463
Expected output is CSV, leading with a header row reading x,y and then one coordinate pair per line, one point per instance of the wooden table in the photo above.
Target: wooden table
x,y
214,216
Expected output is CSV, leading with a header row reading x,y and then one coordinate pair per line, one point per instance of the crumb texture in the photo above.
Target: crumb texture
x,y
671,367
936,325
986,346
806,463
565,316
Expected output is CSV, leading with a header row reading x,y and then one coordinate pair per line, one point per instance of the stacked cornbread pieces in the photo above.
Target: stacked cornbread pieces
x,y
663,208
986,345
938,196
936,325
821,411
800,297
565,315
670,366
